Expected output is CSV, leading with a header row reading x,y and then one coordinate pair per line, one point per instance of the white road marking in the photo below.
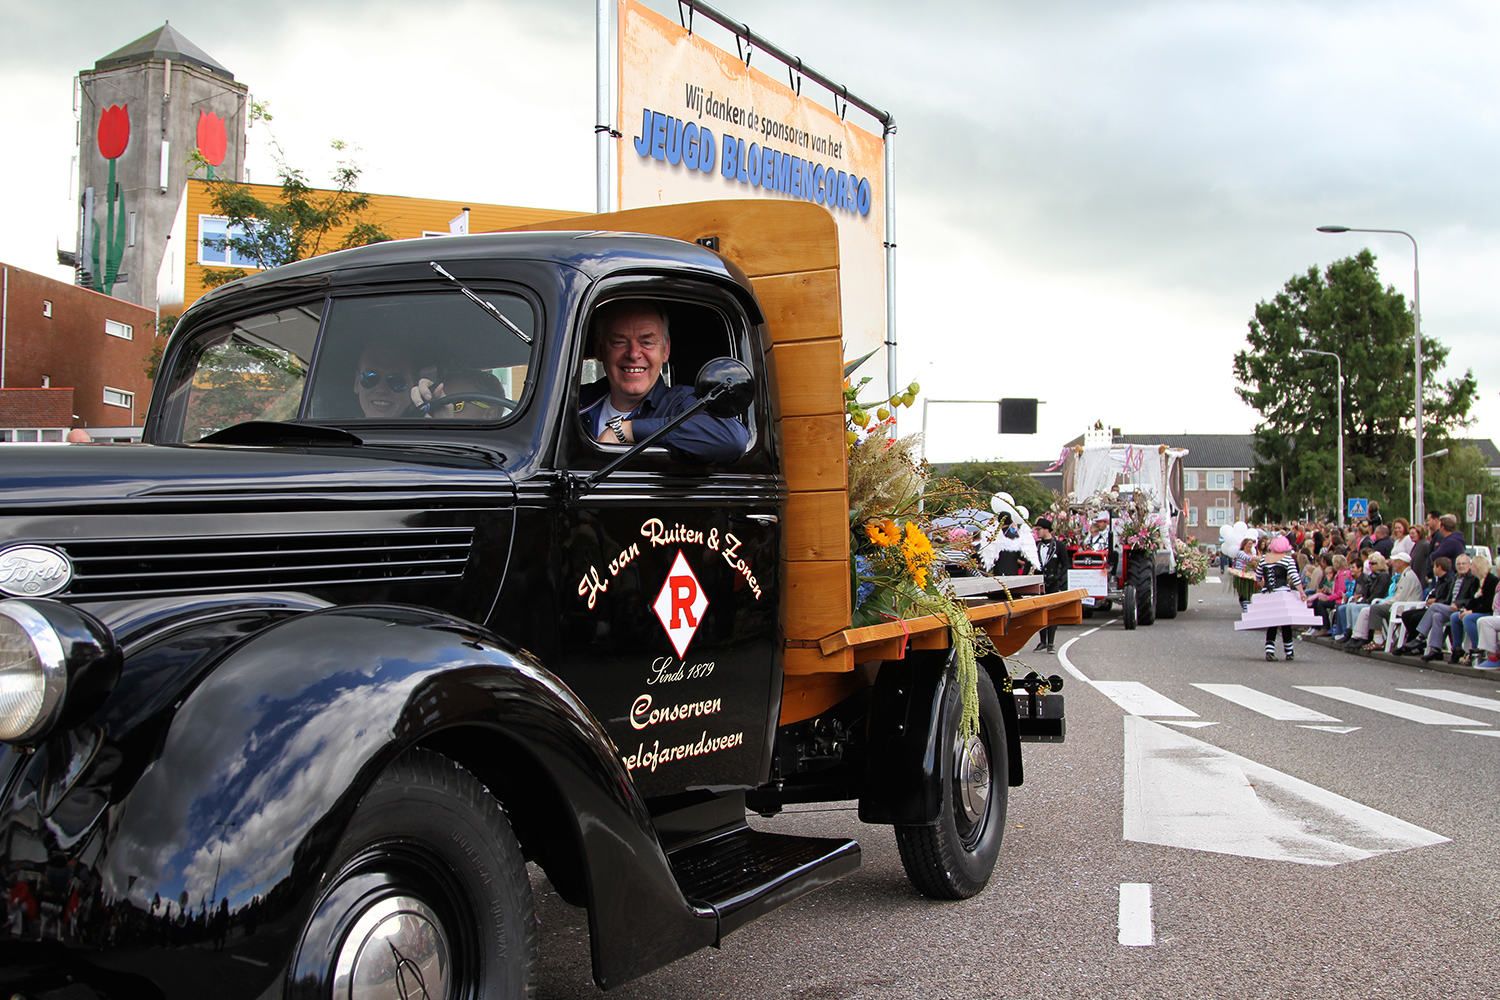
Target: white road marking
x,y
1189,723
1067,664
1341,730
1182,792
1213,579
1138,699
1390,706
1135,915
1457,698
1479,732
1268,705
1085,635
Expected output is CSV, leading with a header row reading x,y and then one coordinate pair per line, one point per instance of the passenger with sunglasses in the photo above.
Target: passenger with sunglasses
x,y
381,382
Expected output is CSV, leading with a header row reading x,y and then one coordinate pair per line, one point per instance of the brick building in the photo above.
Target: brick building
x,y
69,357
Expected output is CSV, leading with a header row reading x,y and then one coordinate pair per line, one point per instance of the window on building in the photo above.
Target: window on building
x,y
1218,516
46,308
52,434
1190,479
1221,480
115,328
1192,516
46,381
119,397
214,247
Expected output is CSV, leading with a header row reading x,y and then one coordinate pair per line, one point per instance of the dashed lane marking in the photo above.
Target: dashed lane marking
x,y
1135,915
1478,732
1341,730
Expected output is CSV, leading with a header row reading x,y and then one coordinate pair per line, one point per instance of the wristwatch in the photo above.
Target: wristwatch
x,y
616,424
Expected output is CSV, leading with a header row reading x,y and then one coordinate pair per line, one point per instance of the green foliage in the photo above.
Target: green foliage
x,y
1452,477
988,478
301,223
1343,310
164,327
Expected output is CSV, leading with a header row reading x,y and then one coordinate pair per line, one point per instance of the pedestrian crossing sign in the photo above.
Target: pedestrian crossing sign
x,y
1359,507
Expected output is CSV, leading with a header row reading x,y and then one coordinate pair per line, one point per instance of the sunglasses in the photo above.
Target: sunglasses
x,y
371,378
458,407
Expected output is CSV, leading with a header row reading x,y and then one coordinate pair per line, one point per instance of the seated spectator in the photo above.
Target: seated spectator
x,y
1487,638
1464,622
1373,583
1401,540
1338,591
1417,620
1405,587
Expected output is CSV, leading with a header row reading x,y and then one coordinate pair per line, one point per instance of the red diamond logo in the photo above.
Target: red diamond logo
x,y
680,605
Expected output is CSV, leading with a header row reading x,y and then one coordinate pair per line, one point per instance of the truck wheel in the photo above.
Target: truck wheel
x,y
1166,595
953,857
429,895
1182,594
1128,605
1143,575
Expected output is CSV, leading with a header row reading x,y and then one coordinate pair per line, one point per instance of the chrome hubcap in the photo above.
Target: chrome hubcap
x,y
973,779
396,950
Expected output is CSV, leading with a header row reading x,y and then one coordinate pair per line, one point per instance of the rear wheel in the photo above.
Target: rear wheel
x,y
1166,595
429,895
954,857
1182,594
1128,606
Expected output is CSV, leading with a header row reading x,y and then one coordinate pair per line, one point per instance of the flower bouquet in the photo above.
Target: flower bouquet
x,y
1192,561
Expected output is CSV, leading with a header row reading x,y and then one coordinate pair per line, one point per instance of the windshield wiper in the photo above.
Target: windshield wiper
x,y
281,432
484,304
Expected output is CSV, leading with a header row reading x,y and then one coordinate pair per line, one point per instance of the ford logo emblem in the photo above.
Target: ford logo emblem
x,y
33,571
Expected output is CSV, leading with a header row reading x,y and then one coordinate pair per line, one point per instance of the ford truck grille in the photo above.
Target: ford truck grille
x,y
138,567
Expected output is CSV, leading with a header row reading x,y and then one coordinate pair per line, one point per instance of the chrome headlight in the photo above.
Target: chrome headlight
x,y
48,651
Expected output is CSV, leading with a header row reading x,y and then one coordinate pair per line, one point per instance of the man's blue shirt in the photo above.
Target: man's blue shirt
x,y
702,437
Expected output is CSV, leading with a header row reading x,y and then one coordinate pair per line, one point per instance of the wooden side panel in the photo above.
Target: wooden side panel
x,y
809,662
815,453
817,598
817,526
800,306
809,380
762,237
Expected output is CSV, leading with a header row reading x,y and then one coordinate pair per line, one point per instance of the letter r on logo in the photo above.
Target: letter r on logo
x,y
684,594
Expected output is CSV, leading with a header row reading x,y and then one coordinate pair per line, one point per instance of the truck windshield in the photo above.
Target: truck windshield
x,y
392,357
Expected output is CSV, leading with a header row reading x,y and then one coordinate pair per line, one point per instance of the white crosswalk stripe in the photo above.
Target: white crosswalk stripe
x,y
1268,705
1457,698
1390,706
1138,699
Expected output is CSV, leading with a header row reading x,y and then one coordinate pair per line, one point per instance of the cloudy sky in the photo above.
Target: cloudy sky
x,y
1092,195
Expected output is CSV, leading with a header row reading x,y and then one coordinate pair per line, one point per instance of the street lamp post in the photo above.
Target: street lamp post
x,y
1339,367
1416,311
1411,493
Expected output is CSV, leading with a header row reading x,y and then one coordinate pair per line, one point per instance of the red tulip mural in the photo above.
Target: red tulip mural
x,y
114,136
213,141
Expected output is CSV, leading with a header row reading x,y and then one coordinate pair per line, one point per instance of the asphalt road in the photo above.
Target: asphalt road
x,y
1388,919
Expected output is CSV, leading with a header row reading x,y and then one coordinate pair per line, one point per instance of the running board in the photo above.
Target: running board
x,y
745,874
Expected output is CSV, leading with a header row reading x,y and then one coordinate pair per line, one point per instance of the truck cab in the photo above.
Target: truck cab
x,y
291,692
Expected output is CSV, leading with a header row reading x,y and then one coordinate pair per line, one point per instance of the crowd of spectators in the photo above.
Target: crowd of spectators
x,y
1411,589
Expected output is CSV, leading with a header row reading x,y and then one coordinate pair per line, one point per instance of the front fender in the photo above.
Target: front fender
x,y
225,836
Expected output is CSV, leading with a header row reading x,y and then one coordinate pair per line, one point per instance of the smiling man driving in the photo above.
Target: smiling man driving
x,y
632,401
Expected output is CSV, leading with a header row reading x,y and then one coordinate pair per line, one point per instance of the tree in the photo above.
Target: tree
x,y
303,222
1344,310
988,478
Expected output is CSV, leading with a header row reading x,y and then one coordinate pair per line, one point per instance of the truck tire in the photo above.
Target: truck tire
x,y
1166,595
1142,574
1128,605
953,857
428,894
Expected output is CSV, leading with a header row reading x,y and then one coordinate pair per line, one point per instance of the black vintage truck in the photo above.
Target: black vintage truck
x,y
292,692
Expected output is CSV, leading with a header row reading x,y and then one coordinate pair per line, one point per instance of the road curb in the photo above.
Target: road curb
x,y
1414,662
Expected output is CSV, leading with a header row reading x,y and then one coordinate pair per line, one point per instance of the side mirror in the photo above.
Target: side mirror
x,y
727,385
